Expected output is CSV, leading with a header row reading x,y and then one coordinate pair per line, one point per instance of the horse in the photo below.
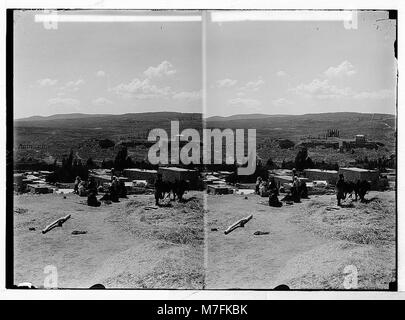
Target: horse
x,y
360,188
176,188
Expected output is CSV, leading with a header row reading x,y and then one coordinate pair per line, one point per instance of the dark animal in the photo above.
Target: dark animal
x,y
360,188
179,187
167,188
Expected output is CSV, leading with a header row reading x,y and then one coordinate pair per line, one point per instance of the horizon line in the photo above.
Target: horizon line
x,y
206,117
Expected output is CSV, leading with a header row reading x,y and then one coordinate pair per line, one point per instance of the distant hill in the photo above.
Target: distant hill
x,y
56,135
241,117
115,122
319,116
61,117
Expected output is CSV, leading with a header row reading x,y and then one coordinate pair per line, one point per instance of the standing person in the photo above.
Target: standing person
x,y
158,188
340,189
76,187
114,189
295,190
258,183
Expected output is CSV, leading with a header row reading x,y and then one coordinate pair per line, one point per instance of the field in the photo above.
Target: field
x,y
126,245
129,245
308,245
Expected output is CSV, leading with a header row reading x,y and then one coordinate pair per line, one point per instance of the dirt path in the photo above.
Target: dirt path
x,y
243,260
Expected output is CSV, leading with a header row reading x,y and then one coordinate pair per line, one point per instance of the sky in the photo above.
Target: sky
x,y
105,67
296,67
270,67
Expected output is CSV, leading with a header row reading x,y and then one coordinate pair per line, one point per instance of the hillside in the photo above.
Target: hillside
x,y
54,136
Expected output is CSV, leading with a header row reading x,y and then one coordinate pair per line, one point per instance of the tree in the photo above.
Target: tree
x,y
106,143
300,159
122,160
286,144
270,164
69,160
90,163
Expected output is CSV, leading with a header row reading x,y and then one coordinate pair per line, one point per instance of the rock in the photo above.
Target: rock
x,y
259,233
79,232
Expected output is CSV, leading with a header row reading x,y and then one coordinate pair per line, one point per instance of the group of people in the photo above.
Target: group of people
x,y
299,190
118,190
270,188
115,191
89,188
83,187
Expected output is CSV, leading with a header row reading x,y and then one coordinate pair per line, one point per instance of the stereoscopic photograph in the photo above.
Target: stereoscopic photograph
x,y
203,149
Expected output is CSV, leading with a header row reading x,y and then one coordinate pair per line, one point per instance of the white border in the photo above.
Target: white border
x,y
182,294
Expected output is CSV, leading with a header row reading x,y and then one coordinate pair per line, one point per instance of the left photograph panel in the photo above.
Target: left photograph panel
x,y
101,100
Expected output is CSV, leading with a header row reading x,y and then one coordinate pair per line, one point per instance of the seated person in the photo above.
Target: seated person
x,y
92,200
303,190
82,189
273,194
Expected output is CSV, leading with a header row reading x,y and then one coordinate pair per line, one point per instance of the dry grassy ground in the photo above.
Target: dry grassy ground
x,y
308,246
126,245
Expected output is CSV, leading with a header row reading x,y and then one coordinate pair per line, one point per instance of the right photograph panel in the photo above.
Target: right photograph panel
x,y
300,111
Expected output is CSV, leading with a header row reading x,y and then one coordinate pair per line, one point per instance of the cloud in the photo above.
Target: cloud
x,y
248,103
281,102
253,85
225,83
141,89
73,86
101,101
321,89
147,88
165,68
100,73
68,103
47,82
343,69
187,95
375,95
281,73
